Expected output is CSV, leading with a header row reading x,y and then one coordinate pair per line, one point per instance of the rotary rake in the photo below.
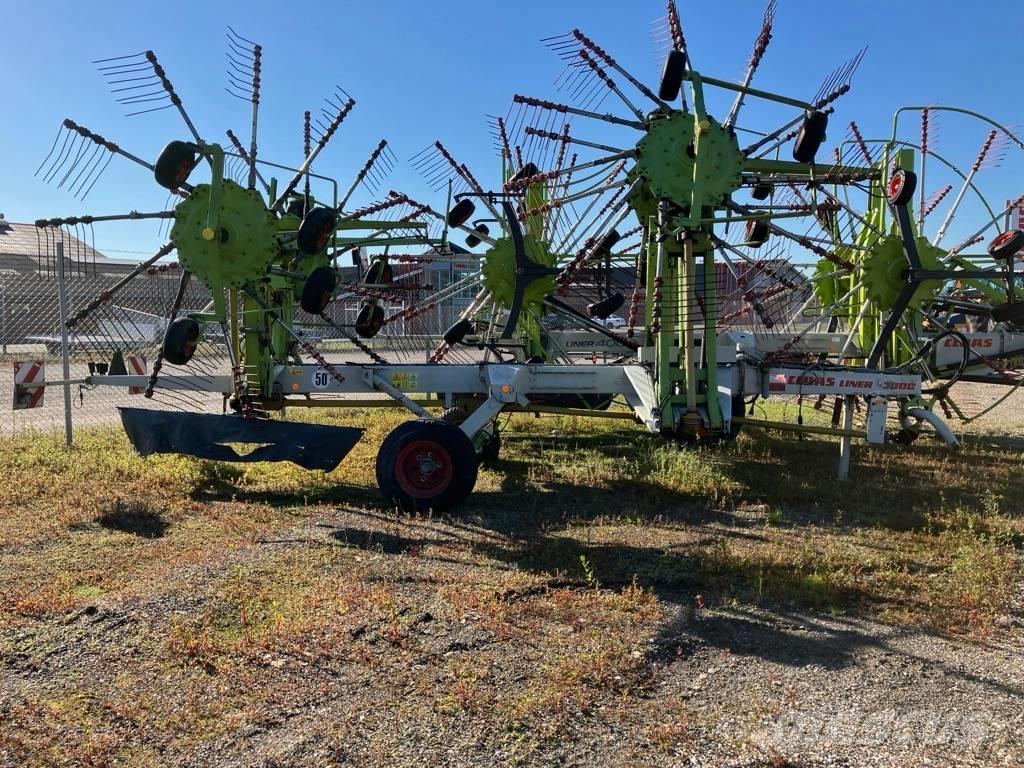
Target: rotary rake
x,y
660,217
257,276
911,293
514,313
695,293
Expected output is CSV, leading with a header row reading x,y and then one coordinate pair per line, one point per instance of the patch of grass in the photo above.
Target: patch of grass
x,y
224,595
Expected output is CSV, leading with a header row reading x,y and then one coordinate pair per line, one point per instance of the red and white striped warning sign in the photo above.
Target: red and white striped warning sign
x,y
29,384
136,366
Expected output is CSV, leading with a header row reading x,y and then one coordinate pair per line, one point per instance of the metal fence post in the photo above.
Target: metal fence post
x,y
3,319
845,443
65,351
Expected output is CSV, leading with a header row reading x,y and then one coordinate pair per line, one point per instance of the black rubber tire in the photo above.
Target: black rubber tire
x,y
315,230
457,332
757,233
445,448
1011,312
460,212
812,134
318,290
900,188
491,448
1005,246
604,247
672,75
904,436
369,320
473,241
181,340
175,163
379,273
525,172
762,190
603,309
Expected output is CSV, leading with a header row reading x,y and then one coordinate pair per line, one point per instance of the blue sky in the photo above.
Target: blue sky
x,y
421,71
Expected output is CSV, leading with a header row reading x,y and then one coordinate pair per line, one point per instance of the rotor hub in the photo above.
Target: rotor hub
x,y
884,267
241,251
500,273
666,158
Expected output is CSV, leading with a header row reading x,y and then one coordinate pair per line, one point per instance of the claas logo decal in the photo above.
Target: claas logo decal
x,y
952,341
780,382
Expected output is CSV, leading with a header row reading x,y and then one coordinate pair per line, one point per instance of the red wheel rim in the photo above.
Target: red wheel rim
x,y
184,169
423,469
325,233
896,184
1004,238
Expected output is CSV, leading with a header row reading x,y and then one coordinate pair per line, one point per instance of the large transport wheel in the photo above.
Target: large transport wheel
x,y
426,464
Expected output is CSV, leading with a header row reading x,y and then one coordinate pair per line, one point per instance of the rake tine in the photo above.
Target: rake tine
x,y
321,143
863,147
151,79
601,54
96,178
118,58
86,166
81,145
968,182
361,175
676,28
69,137
764,37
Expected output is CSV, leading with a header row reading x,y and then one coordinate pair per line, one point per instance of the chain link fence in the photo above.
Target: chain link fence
x,y
118,326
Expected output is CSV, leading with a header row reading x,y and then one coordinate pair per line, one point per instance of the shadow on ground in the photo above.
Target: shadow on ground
x,y
134,518
545,527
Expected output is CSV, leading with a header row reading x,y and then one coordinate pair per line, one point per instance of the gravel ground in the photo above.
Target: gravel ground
x,y
733,686
175,613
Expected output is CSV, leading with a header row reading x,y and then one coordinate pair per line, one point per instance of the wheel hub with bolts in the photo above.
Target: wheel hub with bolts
x,y
245,245
424,468
426,464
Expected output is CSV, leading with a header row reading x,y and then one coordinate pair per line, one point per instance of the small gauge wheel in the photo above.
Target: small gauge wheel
x,y
318,290
901,187
181,340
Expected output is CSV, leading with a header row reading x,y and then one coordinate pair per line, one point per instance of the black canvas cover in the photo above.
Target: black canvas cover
x,y
205,436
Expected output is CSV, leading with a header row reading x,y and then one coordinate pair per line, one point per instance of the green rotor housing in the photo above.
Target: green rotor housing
x,y
667,159
244,247
884,266
499,273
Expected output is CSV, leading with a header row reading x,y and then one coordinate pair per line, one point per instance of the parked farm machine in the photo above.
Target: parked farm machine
x,y
717,311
